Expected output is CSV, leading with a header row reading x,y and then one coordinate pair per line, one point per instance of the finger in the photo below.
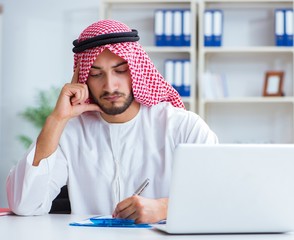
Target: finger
x,y
75,77
92,107
127,213
79,93
81,108
121,206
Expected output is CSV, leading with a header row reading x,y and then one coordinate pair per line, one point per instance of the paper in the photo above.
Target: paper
x,y
108,221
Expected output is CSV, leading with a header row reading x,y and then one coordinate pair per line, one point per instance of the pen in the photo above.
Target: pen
x,y
142,187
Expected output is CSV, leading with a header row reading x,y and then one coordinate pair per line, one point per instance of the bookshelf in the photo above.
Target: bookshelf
x,y
241,114
139,14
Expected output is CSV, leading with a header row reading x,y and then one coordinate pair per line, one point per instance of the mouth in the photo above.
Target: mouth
x,y
112,98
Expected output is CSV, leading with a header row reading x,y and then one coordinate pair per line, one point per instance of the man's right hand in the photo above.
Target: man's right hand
x,y
72,100
71,103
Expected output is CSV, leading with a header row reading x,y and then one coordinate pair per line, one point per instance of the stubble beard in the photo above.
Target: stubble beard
x,y
115,110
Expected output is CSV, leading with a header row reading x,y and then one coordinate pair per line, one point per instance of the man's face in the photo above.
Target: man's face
x,y
109,83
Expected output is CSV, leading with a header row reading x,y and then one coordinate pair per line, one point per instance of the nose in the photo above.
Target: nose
x,y
110,84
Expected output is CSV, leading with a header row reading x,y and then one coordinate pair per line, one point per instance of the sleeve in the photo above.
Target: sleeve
x,y
197,131
31,189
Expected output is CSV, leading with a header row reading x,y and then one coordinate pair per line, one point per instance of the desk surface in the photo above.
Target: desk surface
x,y
56,227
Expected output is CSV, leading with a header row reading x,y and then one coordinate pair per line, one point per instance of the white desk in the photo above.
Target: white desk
x,y
56,227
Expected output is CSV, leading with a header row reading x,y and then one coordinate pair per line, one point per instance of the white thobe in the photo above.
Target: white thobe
x,y
103,163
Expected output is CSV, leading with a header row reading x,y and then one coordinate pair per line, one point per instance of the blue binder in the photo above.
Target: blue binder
x,y
208,21
178,76
169,71
177,33
289,27
186,27
168,28
186,83
280,27
217,28
159,27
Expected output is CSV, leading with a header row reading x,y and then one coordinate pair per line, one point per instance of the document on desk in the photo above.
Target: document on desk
x,y
108,221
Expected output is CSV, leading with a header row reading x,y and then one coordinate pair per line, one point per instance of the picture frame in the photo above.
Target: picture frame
x,y
273,84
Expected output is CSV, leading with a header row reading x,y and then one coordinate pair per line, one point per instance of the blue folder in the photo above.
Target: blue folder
x,y
101,221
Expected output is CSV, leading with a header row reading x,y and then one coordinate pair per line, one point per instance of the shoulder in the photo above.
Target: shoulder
x,y
165,115
167,110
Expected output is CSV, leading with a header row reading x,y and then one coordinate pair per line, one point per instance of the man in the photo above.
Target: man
x,y
115,125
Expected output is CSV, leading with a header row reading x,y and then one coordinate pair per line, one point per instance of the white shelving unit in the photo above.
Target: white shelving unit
x,y
248,50
139,14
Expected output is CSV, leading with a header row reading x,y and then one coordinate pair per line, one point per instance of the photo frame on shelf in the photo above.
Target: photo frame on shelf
x,y
273,84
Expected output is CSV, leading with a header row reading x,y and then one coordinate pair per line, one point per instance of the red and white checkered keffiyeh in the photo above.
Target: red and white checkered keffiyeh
x,y
149,86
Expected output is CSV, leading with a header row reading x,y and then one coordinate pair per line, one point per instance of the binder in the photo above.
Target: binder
x,y
288,27
177,32
186,87
186,27
217,28
208,28
280,27
108,221
168,27
169,71
178,76
159,27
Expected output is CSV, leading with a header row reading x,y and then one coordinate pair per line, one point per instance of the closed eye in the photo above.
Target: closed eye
x,y
121,71
95,74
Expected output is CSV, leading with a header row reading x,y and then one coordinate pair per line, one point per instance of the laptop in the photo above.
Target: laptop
x,y
231,188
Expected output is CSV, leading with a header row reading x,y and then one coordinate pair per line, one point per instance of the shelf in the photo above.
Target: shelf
x,y
249,1
149,1
140,15
207,50
168,49
248,51
251,100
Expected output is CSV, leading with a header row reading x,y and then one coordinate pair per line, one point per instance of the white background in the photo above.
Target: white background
x,y
36,39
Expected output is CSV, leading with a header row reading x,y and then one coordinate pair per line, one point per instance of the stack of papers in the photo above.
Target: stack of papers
x,y
105,221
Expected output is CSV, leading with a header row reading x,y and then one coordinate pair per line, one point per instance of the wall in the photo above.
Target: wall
x,y
36,54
